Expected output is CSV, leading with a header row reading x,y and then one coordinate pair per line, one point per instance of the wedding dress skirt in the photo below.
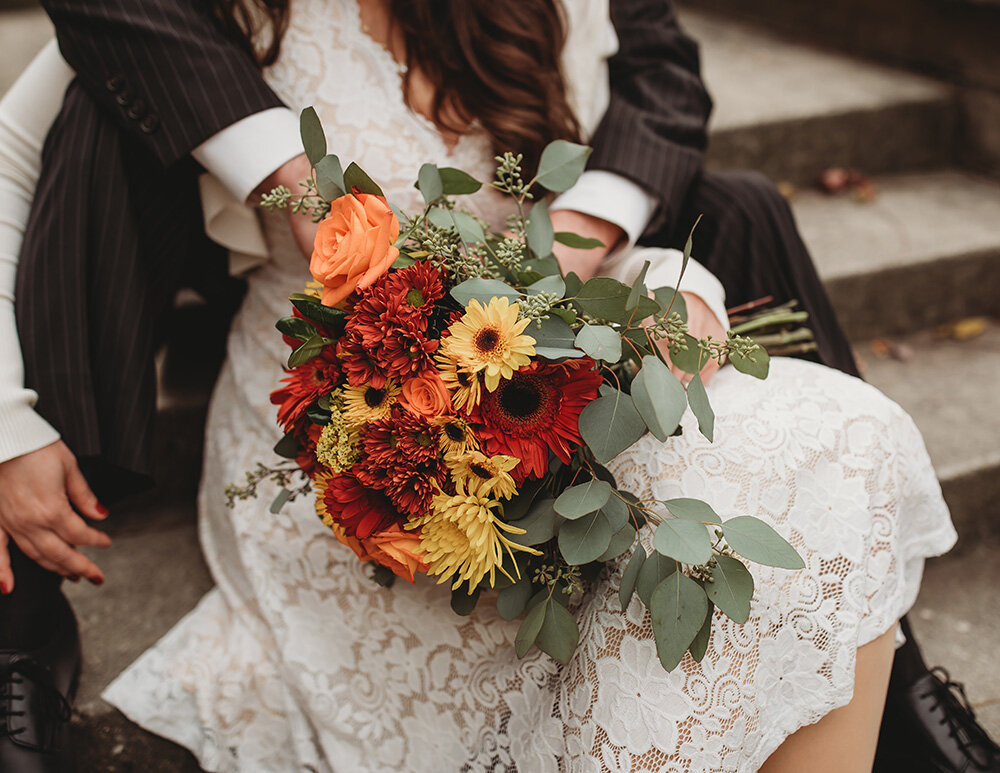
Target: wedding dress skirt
x,y
297,661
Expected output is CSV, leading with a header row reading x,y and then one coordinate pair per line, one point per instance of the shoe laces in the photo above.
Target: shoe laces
x,y
52,705
961,719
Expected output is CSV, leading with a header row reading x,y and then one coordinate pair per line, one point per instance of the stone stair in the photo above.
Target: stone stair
x,y
923,252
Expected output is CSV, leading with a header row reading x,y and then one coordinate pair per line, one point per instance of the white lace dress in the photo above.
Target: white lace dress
x,y
296,661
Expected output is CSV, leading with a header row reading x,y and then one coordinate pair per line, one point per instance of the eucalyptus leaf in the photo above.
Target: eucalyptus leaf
x,y
539,232
553,333
755,540
356,180
689,359
610,424
583,499
757,364
483,290
529,629
731,588
554,285
456,182
330,178
568,316
630,575
512,600
559,633
692,510
698,400
600,342
576,241
602,297
621,541
313,138
659,397
585,539
678,606
616,511
524,500
666,297
638,288
573,284
655,569
403,261
561,165
543,266
699,646
279,501
685,541
429,183
539,524
463,602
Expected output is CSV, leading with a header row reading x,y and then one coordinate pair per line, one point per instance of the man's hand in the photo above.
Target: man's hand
x,y
38,492
584,262
701,324
290,174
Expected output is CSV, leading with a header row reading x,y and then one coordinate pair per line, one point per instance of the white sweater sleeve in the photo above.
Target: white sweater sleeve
x,y
27,112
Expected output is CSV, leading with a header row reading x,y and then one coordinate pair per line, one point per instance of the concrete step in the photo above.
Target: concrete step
x,y
925,250
950,388
792,111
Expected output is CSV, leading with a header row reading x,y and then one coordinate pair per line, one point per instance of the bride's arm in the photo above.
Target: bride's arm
x,y
26,112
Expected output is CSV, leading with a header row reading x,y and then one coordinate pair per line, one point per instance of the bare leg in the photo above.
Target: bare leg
x,y
844,740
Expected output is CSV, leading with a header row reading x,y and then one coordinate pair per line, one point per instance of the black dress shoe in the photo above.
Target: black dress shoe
x,y
36,690
929,727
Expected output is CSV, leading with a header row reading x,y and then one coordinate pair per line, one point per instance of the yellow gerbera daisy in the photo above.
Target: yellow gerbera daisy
x,y
493,472
363,404
463,538
466,387
456,436
490,338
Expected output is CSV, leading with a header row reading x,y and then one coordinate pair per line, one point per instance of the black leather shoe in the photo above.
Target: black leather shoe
x,y
36,690
929,727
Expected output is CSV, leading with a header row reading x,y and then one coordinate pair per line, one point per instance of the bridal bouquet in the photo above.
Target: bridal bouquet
x,y
453,399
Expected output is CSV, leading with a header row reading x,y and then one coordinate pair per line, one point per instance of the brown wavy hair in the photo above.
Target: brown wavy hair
x,y
495,62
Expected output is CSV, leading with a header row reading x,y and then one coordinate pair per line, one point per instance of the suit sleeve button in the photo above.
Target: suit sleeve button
x,y
115,83
137,110
149,124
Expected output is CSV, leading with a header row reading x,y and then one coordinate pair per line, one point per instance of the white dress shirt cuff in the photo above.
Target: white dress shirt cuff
x,y
244,154
610,197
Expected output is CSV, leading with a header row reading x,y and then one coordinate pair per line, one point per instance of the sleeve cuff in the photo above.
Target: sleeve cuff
x,y
244,154
23,431
610,197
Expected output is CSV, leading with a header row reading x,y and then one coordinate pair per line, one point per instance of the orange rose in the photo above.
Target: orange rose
x,y
398,550
354,245
425,395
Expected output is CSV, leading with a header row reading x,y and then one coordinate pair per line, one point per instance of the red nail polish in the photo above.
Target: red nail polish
x,y
102,509
98,582
3,588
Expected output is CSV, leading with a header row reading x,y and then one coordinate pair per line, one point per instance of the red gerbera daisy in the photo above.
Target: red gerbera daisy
x,y
357,509
304,385
537,411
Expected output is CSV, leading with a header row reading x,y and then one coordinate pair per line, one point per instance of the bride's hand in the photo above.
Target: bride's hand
x,y
290,174
38,492
583,262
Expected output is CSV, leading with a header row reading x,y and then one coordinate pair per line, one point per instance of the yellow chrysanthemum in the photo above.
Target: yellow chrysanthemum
x,y
490,339
363,404
466,387
462,538
456,436
475,468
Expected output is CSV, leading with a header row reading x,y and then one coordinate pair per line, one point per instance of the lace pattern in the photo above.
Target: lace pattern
x,y
297,661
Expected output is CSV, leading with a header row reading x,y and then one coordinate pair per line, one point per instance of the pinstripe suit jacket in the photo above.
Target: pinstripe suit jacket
x,y
116,222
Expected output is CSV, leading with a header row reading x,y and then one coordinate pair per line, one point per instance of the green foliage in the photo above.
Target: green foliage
x,y
658,397
757,364
463,602
655,569
731,588
330,178
692,510
483,290
309,350
583,499
584,539
512,600
683,540
621,541
600,342
755,540
630,575
561,165
279,501
699,646
576,241
317,312
698,400
559,634
638,289
539,524
669,298
287,447
296,328
688,359
455,182
678,606
313,138
357,181
552,285
429,183
610,424
529,629
539,232
554,338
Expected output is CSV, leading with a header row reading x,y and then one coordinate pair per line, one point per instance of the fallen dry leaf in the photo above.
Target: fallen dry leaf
x,y
964,329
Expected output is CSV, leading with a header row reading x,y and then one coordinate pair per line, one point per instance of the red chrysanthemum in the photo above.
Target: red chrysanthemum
x,y
307,433
412,490
304,385
405,350
537,411
359,368
419,287
357,509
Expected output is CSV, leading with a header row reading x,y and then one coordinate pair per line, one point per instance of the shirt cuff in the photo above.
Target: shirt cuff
x,y
610,197
245,153
22,430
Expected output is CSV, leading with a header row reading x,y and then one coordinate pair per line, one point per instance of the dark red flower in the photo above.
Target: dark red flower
x,y
537,411
359,368
304,385
411,490
307,433
419,286
359,510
